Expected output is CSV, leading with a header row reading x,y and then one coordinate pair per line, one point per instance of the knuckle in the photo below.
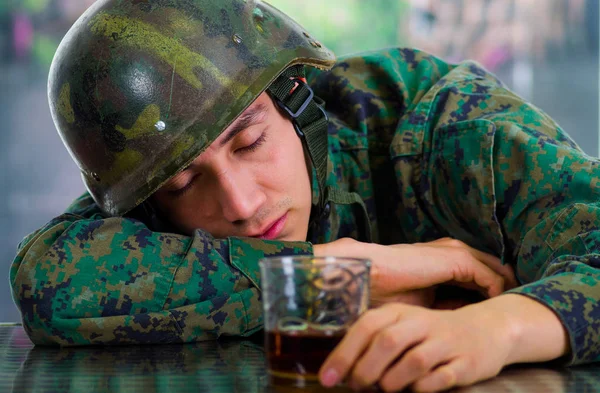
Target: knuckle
x,y
361,376
460,271
346,241
388,340
370,315
363,328
448,377
342,240
455,243
418,362
496,286
388,385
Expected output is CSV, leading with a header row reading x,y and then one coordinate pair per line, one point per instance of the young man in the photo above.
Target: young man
x,y
203,150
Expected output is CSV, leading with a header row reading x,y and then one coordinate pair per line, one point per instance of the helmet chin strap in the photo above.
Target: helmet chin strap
x,y
308,117
310,120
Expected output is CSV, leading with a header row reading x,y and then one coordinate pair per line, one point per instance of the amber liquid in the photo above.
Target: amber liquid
x,y
295,357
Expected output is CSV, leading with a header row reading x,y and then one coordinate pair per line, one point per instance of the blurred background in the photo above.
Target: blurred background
x,y
545,50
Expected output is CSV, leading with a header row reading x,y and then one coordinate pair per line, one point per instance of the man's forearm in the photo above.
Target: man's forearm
x,y
538,333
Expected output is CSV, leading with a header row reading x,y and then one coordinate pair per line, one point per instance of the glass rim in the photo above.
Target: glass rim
x,y
301,261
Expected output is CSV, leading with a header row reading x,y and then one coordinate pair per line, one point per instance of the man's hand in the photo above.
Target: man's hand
x,y
398,345
409,273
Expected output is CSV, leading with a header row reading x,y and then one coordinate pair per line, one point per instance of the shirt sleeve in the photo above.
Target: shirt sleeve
x,y
90,279
550,211
513,182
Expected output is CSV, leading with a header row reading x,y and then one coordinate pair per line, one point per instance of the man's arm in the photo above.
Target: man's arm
x,y
515,182
89,279
477,163
555,238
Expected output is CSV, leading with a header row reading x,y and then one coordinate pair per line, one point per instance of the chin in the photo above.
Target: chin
x,y
288,238
295,238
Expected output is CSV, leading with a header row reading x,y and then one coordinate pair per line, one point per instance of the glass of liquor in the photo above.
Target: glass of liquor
x,y
309,303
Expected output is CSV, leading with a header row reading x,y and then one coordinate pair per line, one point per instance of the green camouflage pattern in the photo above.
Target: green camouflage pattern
x,y
109,280
433,149
139,88
439,150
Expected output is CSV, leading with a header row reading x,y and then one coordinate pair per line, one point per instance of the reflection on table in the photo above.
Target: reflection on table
x,y
232,365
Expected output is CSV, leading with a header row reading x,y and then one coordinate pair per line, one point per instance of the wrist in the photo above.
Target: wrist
x,y
343,247
515,329
533,332
319,250
503,324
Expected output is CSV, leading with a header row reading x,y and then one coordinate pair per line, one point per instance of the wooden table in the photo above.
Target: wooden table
x,y
225,366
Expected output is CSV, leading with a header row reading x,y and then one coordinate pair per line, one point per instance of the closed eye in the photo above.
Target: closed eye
x,y
250,148
246,149
181,191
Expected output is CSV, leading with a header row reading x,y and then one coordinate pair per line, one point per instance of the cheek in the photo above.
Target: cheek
x,y
288,163
187,213
185,216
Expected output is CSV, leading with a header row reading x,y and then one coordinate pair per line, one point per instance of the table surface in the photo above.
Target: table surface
x,y
217,366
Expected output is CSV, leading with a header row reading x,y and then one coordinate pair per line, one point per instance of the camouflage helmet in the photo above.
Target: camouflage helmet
x,y
139,88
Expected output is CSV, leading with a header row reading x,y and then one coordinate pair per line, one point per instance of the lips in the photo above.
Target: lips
x,y
274,230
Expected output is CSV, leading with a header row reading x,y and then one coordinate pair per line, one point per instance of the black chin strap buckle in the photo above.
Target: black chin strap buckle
x,y
302,86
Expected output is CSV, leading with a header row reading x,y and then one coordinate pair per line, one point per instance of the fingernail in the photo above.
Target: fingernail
x,y
330,378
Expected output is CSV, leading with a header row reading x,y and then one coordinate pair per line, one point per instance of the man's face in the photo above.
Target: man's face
x,y
252,181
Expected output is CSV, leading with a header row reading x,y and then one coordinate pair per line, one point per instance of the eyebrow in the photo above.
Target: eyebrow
x,y
250,117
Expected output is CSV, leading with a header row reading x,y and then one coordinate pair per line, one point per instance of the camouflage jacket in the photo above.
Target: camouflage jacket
x,y
433,149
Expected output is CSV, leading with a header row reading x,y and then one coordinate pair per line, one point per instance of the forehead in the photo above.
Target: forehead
x,y
262,102
248,117
262,99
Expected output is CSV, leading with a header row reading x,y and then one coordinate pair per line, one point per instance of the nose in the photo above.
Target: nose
x,y
239,195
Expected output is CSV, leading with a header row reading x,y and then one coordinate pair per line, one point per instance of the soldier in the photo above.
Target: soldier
x,y
204,147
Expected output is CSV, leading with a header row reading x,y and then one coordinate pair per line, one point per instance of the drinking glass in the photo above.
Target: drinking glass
x,y
309,303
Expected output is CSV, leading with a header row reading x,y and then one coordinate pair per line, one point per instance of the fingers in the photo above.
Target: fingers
x,y
494,263
386,347
445,260
398,346
402,268
469,270
415,364
491,261
471,266
455,373
355,342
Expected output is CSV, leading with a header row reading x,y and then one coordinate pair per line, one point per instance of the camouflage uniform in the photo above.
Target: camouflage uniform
x,y
432,149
